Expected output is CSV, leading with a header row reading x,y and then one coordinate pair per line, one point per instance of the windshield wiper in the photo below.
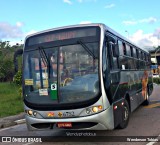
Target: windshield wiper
x,y
43,56
86,48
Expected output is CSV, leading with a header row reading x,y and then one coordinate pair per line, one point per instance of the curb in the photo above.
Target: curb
x,y
21,121
12,120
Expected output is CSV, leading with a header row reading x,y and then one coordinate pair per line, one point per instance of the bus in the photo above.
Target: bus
x,y
83,76
155,70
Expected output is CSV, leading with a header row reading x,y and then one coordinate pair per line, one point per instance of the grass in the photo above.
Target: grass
x,y
10,101
156,80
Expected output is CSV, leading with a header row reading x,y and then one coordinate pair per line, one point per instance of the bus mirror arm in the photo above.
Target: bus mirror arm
x,y
19,52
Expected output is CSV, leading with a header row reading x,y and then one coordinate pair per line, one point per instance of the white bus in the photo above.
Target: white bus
x,y
83,77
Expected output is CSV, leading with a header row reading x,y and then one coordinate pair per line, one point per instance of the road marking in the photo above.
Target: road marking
x,y
153,105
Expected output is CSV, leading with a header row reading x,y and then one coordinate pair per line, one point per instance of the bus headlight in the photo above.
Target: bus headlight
x,y
30,112
95,109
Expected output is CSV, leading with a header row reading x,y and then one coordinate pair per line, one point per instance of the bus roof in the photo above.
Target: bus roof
x,y
90,24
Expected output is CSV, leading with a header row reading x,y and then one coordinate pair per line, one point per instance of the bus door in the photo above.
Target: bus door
x,y
113,54
114,74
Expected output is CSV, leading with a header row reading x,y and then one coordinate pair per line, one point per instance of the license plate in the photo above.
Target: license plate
x,y
64,124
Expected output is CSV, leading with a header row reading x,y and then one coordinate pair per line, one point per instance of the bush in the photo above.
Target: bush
x,y
156,80
18,78
20,91
6,69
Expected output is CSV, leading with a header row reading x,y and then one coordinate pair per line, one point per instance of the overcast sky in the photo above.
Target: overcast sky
x,y
137,19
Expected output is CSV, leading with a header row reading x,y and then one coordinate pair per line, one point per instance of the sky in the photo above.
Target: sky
x,y
138,20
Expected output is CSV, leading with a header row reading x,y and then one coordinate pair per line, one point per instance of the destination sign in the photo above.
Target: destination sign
x,y
62,35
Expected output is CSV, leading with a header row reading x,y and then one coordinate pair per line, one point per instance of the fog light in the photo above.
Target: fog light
x,y
30,112
88,111
95,109
34,113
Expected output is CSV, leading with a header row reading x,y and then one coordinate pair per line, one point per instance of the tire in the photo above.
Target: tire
x,y
147,101
125,115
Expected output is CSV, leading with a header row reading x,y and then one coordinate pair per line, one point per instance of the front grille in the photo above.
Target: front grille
x,y
43,125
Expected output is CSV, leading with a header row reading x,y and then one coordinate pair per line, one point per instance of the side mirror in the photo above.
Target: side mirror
x,y
19,52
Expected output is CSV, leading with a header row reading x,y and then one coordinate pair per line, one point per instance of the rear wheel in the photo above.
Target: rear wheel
x,y
125,115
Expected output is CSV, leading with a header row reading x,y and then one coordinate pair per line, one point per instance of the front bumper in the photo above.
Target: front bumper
x,y
100,121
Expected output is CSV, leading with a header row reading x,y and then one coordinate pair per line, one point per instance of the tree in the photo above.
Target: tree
x,y
6,60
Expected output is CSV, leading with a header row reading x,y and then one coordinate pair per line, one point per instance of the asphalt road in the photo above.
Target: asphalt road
x,y
144,123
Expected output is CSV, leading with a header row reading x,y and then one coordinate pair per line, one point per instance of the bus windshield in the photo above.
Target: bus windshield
x,y
70,76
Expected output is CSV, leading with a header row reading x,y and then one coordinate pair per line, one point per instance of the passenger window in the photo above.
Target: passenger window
x,y
120,46
141,55
124,49
137,53
145,57
131,50
113,59
134,52
128,50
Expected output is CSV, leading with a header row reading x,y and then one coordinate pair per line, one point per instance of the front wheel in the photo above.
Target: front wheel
x,y
125,115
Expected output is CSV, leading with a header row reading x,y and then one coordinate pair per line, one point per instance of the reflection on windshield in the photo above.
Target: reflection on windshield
x,y
70,76
80,88
79,73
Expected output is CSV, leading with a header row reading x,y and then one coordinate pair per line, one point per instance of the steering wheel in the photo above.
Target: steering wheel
x,y
67,80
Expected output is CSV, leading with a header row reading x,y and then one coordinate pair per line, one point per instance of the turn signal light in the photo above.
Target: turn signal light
x,y
100,107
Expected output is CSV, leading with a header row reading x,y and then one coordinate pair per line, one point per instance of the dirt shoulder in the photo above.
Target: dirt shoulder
x,y
11,120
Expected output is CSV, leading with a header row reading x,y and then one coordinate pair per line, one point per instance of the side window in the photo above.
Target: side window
x,y
134,52
141,55
104,59
111,44
148,61
137,53
123,61
145,57
131,50
124,49
128,50
120,46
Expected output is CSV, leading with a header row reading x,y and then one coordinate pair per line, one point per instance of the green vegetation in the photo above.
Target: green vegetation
x,y
10,101
10,93
156,80
6,60
18,78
